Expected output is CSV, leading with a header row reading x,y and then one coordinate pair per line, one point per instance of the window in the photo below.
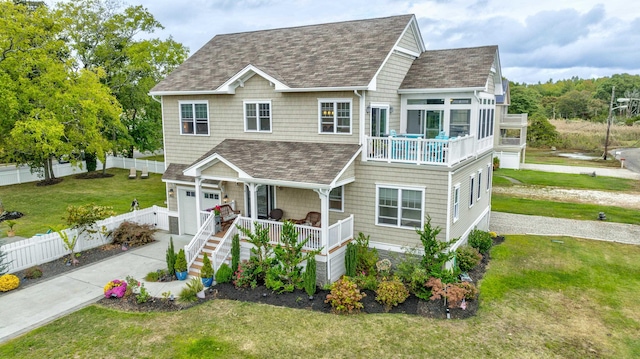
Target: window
x,y
335,116
456,202
399,207
472,180
194,118
460,120
211,196
479,183
191,194
489,175
336,199
257,116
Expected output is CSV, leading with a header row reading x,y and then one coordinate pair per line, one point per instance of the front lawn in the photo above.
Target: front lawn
x,y
565,180
44,206
541,297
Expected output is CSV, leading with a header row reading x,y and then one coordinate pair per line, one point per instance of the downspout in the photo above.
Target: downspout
x,y
155,99
362,110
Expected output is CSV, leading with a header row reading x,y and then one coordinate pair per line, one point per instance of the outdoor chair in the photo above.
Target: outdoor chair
x,y
275,214
132,173
227,216
145,172
312,219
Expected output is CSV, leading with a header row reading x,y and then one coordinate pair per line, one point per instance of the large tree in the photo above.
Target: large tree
x,y
105,35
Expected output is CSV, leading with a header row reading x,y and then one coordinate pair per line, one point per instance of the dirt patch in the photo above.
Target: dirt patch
x,y
93,175
49,182
605,198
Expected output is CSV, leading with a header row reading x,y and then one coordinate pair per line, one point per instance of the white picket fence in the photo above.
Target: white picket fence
x,y
47,247
22,174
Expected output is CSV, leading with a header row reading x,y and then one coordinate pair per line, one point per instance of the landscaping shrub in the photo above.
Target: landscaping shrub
x,y
410,270
207,270
244,276
436,253
480,240
383,267
351,259
4,264
368,282
467,258
224,274
153,276
366,257
453,293
471,292
261,253
310,277
235,252
8,282
392,292
181,261
345,297
133,234
33,272
171,258
189,293
115,288
142,296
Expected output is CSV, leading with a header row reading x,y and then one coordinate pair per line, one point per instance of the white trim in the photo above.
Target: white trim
x,y
229,86
472,181
335,102
341,210
385,106
193,103
400,188
325,89
185,183
257,103
335,182
479,191
489,175
196,169
402,50
439,90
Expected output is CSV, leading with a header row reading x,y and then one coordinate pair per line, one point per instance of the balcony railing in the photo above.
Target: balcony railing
x,y
515,119
424,151
512,141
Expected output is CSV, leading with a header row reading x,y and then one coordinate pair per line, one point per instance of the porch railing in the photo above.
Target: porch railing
x,y
223,250
515,119
205,232
423,151
340,232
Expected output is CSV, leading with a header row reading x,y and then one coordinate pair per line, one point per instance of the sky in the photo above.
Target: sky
x,y
538,40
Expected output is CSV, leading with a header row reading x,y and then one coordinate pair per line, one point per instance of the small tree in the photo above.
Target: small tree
x,y
351,259
207,269
83,220
310,277
261,251
436,253
171,258
181,262
4,264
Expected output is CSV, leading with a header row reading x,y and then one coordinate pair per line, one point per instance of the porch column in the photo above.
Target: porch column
x,y
324,217
253,200
198,201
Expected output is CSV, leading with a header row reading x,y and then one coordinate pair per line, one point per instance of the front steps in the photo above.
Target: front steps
x,y
209,247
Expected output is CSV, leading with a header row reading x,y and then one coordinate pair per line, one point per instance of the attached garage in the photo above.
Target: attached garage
x,y
187,207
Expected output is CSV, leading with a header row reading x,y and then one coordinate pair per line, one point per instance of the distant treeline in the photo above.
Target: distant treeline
x,y
575,98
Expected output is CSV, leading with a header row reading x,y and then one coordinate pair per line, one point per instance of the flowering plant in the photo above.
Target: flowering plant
x,y
115,288
216,210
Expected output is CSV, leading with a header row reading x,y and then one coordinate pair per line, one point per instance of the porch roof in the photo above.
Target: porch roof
x,y
297,162
174,173
452,68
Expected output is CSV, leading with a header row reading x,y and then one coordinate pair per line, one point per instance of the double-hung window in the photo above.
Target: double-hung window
x,y
336,199
194,118
334,115
479,183
456,202
257,116
472,182
399,207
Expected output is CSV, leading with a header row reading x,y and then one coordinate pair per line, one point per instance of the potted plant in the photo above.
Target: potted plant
x,y
11,223
206,272
496,163
181,265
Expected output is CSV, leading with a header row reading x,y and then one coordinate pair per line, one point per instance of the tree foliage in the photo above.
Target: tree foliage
x,y
541,132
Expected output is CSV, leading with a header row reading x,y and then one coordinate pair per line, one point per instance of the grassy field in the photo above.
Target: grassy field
x,y
44,206
548,157
566,180
542,297
158,158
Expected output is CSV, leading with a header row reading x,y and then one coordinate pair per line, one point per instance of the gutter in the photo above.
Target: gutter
x,y
361,115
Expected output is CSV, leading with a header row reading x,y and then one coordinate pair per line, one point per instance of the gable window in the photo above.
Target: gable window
x,y
472,180
399,207
456,202
336,199
257,116
479,183
335,116
194,118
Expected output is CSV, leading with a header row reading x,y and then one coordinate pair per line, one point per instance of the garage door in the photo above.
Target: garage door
x,y
187,207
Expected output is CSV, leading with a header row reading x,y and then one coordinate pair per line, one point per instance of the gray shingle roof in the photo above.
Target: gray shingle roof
x,y
342,54
174,173
453,68
305,162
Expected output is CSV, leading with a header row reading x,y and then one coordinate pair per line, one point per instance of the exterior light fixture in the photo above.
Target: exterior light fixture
x,y
171,192
225,199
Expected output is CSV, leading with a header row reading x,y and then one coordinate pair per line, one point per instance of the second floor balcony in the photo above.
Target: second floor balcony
x,y
412,150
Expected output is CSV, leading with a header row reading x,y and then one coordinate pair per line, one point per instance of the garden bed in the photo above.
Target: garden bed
x,y
300,300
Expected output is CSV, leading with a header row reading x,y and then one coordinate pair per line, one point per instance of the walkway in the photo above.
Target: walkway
x,y
509,223
26,309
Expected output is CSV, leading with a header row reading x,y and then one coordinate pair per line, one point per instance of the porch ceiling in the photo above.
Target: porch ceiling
x,y
301,162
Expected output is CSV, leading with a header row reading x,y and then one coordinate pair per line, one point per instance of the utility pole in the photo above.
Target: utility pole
x,y
606,141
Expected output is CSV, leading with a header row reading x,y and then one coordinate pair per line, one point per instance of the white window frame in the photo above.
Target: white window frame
x,y
335,102
341,199
479,184
257,103
195,122
399,206
489,176
472,181
456,202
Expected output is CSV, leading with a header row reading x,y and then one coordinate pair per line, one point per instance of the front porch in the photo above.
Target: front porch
x,y
217,245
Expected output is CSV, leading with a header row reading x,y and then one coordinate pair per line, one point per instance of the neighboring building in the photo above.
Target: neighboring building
x,y
354,120
510,145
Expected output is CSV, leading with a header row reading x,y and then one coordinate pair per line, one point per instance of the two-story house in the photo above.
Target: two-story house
x,y
355,121
510,142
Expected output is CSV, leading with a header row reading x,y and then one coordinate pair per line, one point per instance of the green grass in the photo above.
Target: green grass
x,y
566,180
44,206
158,158
548,157
539,299
581,211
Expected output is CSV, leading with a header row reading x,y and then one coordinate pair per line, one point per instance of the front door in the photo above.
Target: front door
x,y
266,201
379,121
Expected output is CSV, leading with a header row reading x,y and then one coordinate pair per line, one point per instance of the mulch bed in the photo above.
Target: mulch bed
x,y
300,300
93,175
